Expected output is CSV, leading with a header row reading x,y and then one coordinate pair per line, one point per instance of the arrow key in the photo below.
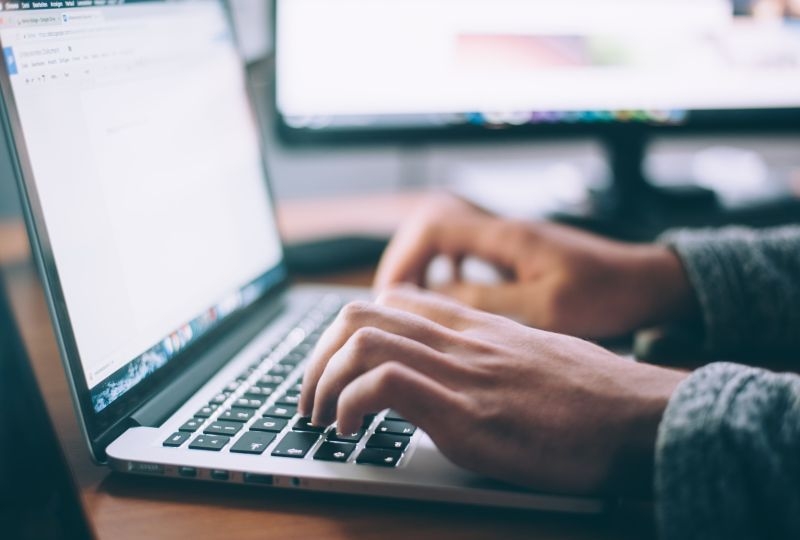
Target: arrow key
x,y
380,457
334,451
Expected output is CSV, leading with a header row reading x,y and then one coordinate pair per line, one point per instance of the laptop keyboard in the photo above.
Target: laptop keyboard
x,y
256,413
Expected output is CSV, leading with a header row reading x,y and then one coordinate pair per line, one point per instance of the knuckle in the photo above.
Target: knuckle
x,y
364,340
354,312
387,377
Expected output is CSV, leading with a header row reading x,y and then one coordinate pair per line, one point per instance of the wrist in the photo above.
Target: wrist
x,y
632,469
664,286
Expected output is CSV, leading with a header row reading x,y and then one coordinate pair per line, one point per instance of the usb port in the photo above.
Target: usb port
x,y
252,478
217,474
188,472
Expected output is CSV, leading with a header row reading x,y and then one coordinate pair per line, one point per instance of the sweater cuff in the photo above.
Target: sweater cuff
x,y
710,260
727,456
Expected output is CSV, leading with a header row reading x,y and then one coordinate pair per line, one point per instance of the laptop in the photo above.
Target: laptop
x,y
39,500
143,183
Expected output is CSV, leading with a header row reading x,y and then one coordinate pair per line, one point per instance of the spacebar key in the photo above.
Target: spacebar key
x,y
295,444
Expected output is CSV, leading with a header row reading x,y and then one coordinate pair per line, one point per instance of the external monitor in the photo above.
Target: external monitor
x,y
618,69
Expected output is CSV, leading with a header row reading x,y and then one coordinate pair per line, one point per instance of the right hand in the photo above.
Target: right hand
x,y
560,279
537,409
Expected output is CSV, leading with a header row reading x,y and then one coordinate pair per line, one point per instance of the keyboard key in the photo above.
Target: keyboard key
x,y
220,427
281,369
260,390
334,451
393,427
237,414
289,398
295,444
308,345
191,425
388,442
244,375
376,456
214,443
253,442
346,437
207,411
272,379
232,386
177,439
293,358
394,415
304,424
220,398
281,411
249,402
273,425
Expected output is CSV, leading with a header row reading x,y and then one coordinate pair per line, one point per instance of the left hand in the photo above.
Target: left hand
x,y
529,407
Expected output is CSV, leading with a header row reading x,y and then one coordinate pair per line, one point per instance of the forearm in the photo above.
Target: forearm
x,y
747,285
728,456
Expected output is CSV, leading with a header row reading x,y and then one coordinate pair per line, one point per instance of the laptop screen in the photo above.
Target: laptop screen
x,y
145,158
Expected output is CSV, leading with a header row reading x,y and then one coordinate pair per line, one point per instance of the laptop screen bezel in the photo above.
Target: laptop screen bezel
x,y
102,427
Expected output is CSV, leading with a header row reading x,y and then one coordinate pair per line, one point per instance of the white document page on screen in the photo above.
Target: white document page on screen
x,y
152,187
361,57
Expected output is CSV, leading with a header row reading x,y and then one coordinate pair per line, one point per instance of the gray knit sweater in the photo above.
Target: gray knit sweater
x,y
728,449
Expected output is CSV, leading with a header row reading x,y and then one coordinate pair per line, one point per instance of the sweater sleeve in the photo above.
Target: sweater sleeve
x,y
747,283
728,456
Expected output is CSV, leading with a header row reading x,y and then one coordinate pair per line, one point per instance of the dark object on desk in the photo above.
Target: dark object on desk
x,y
39,499
334,254
676,346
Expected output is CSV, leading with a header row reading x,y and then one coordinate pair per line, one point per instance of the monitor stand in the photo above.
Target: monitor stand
x,y
632,207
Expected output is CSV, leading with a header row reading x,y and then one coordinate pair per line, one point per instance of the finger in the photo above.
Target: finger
x,y
418,398
358,315
410,252
366,350
433,306
505,299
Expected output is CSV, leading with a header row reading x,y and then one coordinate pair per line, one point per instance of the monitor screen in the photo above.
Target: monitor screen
x,y
366,64
145,159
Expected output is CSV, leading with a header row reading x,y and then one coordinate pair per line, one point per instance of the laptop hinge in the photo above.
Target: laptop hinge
x,y
169,399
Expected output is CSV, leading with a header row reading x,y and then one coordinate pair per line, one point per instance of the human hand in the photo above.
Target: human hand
x,y
560,279
522,405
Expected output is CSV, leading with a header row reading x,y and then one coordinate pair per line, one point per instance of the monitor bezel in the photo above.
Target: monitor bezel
x,y
697,122
100,428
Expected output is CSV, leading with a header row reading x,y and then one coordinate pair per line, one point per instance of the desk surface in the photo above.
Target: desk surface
x,y
123,507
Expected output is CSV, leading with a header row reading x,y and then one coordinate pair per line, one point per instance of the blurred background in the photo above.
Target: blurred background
x,y
362,105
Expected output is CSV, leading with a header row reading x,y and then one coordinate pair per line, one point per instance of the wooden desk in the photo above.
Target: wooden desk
x,y
123,507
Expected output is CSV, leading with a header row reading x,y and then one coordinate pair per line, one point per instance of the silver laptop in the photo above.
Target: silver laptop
x,y
142,176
